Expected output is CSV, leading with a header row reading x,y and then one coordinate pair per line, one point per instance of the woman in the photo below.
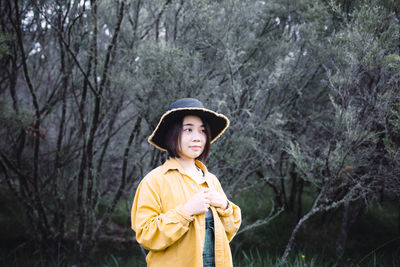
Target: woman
x,y
180,212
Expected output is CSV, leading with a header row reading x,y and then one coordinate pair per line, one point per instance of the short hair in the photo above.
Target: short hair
x,y
173,135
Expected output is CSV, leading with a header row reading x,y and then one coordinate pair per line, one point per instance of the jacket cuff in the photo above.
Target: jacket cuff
x,y
226,212
183,214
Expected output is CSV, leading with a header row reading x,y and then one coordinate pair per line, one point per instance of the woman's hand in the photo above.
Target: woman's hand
x,y
217,200
198,204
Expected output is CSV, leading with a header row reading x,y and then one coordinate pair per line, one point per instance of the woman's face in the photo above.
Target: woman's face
x,y
193,137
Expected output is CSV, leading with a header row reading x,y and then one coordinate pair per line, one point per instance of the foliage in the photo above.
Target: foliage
x,y
311,89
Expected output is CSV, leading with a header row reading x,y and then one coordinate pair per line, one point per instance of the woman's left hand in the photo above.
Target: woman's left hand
x,y
216,199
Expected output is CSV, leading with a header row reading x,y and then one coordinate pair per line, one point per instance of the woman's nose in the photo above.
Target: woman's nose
x,y
196,136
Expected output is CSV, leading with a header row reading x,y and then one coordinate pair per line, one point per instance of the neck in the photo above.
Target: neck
x,y
187,164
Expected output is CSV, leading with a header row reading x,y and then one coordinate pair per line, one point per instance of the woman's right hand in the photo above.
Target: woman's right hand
x,y
198,204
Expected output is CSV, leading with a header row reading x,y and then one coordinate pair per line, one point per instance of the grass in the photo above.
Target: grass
x,y
28,257
113,261
256,258
373,236
373,240
246,258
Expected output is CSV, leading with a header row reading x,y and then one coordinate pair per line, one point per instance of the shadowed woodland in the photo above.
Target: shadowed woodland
x,y
312,89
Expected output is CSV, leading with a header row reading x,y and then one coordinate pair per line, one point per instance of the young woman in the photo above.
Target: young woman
x,y
180,212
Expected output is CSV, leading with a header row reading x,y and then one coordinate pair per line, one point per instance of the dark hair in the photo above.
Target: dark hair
x,y
173,135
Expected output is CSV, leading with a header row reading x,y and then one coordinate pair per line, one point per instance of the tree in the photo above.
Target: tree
x,y
311,89
352,163
64,120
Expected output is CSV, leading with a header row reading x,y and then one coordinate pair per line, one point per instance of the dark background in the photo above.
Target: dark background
x,y
312,154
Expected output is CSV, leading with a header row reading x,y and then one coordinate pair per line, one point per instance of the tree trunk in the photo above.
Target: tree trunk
x,y
310,213
349,218
299,200
398,219
293,190
344,229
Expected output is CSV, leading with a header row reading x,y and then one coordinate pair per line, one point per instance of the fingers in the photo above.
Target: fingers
x,y
202,201
216,199
205,190
197,204
207,200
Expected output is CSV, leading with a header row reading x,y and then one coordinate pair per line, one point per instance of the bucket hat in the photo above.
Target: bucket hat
x,y
183,107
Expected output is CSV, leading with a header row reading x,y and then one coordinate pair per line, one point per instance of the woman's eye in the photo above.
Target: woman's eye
x,y
187,130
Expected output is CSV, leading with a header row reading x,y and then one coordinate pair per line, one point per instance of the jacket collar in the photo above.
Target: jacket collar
x,y
173,164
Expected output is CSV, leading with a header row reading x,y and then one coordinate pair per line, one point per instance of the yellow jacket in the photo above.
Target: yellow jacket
x,y
162,226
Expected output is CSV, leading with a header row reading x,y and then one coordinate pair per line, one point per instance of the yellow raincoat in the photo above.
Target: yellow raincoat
x,y
162,226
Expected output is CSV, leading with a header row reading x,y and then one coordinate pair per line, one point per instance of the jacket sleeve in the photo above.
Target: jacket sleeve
x,y
156,230
231,218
